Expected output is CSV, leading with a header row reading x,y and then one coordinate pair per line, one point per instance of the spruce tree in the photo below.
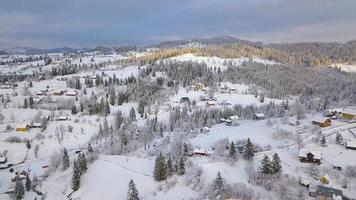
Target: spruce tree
x,y
170,170
65,159
218,191
19,190
132,193
232,151
28,183
82,163
28,144
31,103
276,164
76,177
338,138
74,110
25,103
132,114
181,166
160,169
249,150
323,141
266,165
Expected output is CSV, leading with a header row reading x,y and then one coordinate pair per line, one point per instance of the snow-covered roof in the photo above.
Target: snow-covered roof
x,y
202,151
319,119
260,115
305,181
63,117
3,159
37,124
22,126
351,144
304,152
211,102
234,117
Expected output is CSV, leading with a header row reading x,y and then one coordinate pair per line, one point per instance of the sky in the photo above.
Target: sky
x,y
89,23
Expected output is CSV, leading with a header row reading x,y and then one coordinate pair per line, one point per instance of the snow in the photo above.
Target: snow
x,y
345,67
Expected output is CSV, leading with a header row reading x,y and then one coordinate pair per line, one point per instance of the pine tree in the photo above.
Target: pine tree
x,y
90,148
218,191
132,114
76,177
323,142
28,144
19,190
266,165
132,193
249,150
338,138
82,163
181,166
25,103
276,164
65,160
170,170
31,103
160,169
232,151
28,183
123,138
30,84
74,110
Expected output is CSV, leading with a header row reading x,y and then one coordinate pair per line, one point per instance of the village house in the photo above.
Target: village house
x,y
259,116
351,144
3,160
199,86
62,118
321,192
321,121
36,125
58,93
310,156
72,94
210,103
305,182
200,152
348,114
22,127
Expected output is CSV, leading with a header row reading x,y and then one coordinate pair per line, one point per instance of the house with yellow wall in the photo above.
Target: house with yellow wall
x,y
22,127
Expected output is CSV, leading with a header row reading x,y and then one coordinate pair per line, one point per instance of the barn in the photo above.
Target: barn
x,y
22,127
321,121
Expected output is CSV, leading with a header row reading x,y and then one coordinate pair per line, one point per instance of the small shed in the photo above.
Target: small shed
x,y
259,116
36,125
351,144
321,121
3,160
58,93
62,118
22,127
71,94
310,156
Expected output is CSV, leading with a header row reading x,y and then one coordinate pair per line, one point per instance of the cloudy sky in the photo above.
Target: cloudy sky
x,y
88,23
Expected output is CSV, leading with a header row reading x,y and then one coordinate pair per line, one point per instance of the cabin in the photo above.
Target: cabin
x,y
22,127
234,120
351,144
200,152
210,103
184,100
62,118
322,122
259,116
36,125
58,93
326,193
310,156
3,160
348,114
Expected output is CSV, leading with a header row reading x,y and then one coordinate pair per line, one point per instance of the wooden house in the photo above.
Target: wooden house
x,y
310,156
259,116
22,127
58,93
322,122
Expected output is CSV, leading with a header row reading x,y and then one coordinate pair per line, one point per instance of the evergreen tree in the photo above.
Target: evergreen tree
x,y
28,183
65,159
123,138
30,84
28,144
31,103
19,190
338,138
74,110
132,193
76,177
141,108
160,169
170,170
82,163
323,141
249,150
25,103
90,148
181,166
132,114
232,151
218,191
276,164
266,166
